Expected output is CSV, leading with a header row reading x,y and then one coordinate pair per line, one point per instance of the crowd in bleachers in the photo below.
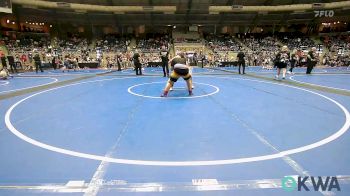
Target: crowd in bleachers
x,y
71,44
112,43
338,50
54,51
153,44
298,42
112,50
336,60
338,44
260,43
186,37
27,44
23,49
223,48
222,43
151,57
263,49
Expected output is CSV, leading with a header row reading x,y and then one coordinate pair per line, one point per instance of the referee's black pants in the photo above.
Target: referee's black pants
x,y
138,69
165,67
241,64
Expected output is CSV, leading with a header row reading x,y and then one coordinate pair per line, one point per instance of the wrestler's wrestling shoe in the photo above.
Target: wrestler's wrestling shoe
x,y
190,93
164,94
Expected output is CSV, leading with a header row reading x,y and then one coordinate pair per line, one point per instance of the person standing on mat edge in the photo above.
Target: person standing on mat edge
x,y
37,61
137,63
180,69
202,57
119,61
53,63
293,61
12,64
164,55
241,62
281,62
311,60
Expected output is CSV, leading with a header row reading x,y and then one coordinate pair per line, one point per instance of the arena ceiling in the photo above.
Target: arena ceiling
x,y
188,12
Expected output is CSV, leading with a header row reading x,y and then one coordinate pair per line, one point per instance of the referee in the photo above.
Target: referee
x,y
164,55
241,62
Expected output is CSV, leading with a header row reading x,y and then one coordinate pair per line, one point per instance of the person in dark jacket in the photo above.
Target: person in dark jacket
x,y
12,64
241,62
37,61
293,61
53,63
311,60
164,55
137,63
119,62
